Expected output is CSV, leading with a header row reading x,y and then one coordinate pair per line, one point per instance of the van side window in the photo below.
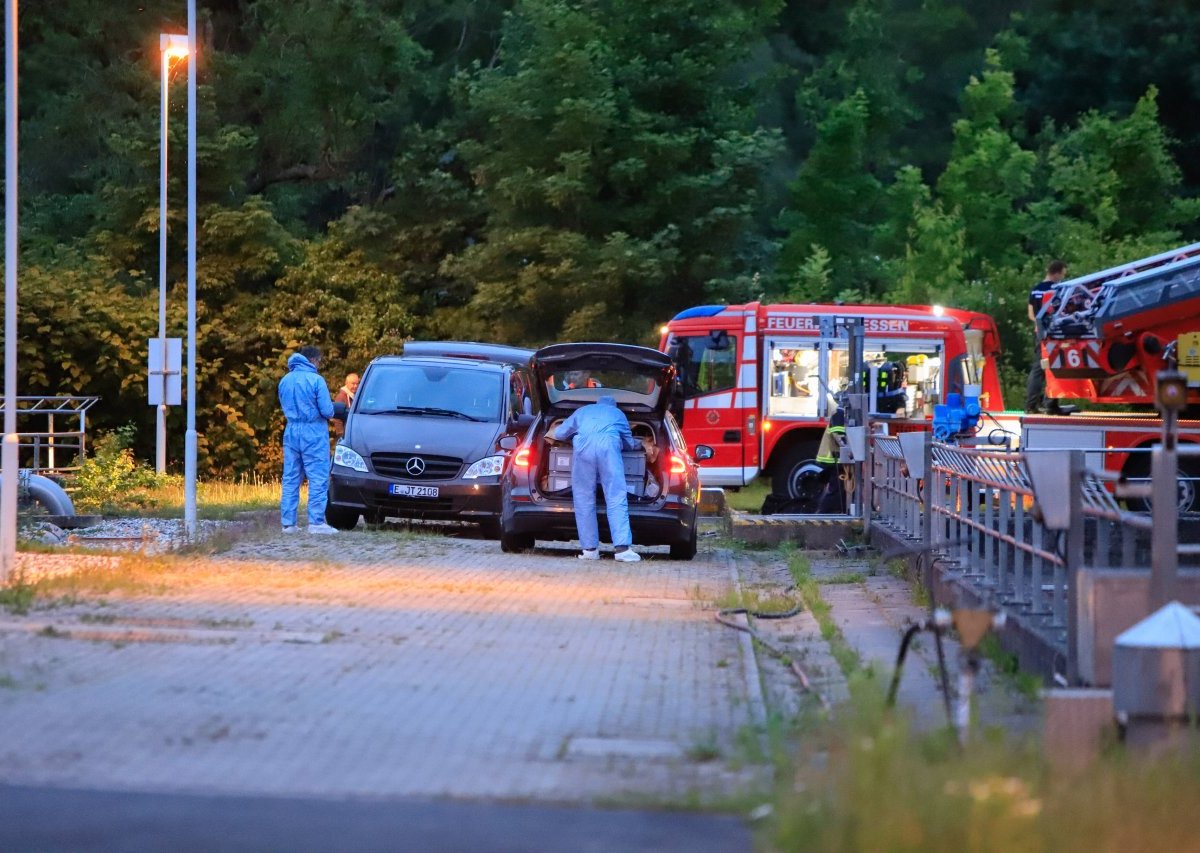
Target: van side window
x,y
521,397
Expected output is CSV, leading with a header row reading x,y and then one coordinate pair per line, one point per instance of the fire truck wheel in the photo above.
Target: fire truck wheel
x,y
798,477
1189,484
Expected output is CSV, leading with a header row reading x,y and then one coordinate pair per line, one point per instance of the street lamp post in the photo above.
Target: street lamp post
x,y
9,460
171,47
189,443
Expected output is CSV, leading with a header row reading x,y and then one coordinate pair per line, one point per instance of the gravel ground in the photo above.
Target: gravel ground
x,y
151,536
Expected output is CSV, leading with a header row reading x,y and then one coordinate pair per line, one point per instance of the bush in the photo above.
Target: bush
x,y
112,477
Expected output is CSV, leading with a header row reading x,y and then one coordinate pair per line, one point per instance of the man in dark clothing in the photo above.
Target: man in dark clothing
x,y
833,495
1035,388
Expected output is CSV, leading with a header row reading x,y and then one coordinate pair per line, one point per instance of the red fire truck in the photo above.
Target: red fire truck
x,y
758,381
1104,337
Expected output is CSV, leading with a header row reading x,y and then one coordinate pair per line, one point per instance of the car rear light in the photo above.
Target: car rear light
x,y
524,458
678,464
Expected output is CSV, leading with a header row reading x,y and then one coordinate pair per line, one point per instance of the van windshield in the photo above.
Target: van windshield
x,y
434,388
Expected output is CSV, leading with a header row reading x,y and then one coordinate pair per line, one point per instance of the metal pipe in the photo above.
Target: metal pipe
x,y
189,453
160,453
9,460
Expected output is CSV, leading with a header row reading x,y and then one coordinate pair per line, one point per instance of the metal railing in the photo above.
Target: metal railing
x,y
52,432
974,509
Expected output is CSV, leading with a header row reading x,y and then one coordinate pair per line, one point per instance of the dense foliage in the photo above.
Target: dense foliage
x,y
534,170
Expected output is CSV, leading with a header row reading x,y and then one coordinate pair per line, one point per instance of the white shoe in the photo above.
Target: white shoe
x,y
593,554
628,556
291,528
323,529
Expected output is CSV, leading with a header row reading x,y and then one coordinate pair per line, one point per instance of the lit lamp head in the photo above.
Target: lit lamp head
x,y
173,46
1171,393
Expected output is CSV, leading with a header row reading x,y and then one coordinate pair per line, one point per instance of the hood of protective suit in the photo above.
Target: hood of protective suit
x,y
299,362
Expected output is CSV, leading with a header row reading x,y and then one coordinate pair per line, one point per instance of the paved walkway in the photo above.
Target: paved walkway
x,y
384,665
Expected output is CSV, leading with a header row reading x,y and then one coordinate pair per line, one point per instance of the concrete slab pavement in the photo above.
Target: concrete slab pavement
x,y
444,668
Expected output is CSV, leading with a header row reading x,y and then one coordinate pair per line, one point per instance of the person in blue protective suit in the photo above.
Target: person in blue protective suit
x,y
308,407
598,433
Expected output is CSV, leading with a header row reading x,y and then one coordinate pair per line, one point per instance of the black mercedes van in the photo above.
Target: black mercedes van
x,y
423,432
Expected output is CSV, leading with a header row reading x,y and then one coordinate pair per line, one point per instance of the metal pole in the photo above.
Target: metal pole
x,y
160,455
8,455
189,453
1074,561
1164,553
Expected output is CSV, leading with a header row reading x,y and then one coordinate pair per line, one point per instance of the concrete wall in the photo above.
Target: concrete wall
x,y
1111,600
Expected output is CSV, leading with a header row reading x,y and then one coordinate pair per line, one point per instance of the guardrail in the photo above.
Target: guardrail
x,y
974,510
59,446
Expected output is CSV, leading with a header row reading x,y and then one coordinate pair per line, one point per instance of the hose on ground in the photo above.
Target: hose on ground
x,y
723,616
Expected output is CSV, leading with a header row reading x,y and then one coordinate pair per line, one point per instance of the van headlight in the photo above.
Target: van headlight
x,y
347,458
489,466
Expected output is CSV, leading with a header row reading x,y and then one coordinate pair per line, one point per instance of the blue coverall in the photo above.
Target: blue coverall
x,y
308,407
599,432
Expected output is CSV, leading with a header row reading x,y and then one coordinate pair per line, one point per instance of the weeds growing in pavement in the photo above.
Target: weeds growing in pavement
x,y
844,578
704,748
1028,685
810,594
17,596
755,600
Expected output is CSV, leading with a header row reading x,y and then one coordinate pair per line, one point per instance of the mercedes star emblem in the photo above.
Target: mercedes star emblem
x,y
415,466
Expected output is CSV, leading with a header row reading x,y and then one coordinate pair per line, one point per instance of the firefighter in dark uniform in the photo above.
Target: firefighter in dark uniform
x,y
833,496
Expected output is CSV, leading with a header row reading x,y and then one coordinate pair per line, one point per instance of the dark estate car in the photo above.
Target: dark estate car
x,y
422,435
663,495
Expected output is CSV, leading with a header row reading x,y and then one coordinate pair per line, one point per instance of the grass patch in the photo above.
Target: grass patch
x,y
1028,685
97,618
18,596
845,577
704,748
810,593
749,498
122,573
867,781
756,601
231,624
217,500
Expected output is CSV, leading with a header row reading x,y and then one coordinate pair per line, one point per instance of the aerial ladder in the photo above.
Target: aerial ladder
x,y
1105,336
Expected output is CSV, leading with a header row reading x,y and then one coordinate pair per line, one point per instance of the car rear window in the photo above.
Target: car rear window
x,y
388,387
590,385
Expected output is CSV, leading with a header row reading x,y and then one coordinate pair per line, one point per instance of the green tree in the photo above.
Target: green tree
x,y
617,164
836,202
989,177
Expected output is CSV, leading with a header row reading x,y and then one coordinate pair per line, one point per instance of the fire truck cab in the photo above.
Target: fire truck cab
x,y
760,382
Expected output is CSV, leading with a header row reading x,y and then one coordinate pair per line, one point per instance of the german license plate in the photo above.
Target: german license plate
x,y
413,491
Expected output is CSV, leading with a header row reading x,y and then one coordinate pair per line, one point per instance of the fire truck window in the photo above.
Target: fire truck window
x,y
706,363
908,376
795,382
